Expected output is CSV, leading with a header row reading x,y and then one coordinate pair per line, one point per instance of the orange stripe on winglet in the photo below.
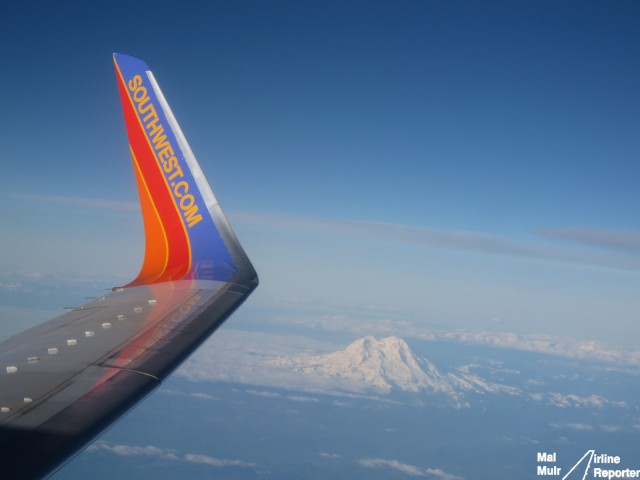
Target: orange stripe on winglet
x,y
156,253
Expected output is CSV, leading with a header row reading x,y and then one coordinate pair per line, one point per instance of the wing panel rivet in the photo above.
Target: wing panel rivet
x,y
72,341
27,400
12,369
53,350
137,309
153,301
5,409
122,316
106,325
89,333
32,359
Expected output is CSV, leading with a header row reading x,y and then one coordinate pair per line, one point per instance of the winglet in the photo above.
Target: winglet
x,y
186,234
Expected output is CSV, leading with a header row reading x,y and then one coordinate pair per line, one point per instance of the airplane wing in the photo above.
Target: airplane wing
x,y
64,381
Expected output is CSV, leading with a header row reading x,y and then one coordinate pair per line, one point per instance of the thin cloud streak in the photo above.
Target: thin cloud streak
x,y
134,450
215,462
410,470
107,204
165,454
625,240
393,464
619,249
459,240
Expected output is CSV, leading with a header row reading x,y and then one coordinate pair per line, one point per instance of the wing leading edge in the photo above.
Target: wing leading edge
x,y
66,380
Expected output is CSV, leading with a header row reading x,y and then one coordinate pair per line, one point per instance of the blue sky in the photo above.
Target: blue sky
x,y
465,165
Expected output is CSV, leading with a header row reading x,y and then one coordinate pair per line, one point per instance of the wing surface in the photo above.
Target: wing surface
x,y
64,381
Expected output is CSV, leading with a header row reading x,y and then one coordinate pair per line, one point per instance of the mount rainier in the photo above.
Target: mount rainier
x,y
385,366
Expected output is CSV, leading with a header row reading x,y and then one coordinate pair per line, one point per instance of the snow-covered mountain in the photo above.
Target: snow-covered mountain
x,y
387,365
368,366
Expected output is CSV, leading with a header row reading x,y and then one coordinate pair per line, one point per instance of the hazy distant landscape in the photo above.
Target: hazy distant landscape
x,y
272,396
261,412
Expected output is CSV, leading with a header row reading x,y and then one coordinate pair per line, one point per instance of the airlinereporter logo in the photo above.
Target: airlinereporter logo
x,y
591,465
